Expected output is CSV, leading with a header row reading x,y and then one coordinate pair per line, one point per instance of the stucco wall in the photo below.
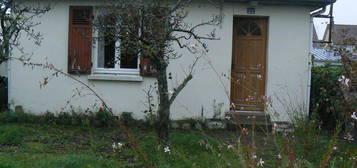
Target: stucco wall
x,y
287,73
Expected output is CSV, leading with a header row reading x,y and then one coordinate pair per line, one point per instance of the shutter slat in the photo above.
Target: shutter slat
x,y
80,40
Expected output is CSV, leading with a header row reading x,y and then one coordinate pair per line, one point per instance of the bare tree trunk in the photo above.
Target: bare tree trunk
x,y
163,122
5,50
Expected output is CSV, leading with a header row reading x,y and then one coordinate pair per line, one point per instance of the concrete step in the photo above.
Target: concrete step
x,y
250,118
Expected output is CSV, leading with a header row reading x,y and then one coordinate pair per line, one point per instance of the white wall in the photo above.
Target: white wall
x,y
288,47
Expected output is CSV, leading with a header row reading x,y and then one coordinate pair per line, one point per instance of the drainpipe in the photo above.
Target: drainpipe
x,y
9,78
308,92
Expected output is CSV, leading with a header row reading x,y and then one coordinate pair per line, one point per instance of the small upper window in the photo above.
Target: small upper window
x,y
249,29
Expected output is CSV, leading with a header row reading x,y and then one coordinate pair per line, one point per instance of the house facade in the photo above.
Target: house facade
x,y
263,54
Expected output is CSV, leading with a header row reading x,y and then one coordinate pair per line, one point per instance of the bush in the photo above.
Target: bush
x,y
104,118
13,117
326,96
97,119
127,119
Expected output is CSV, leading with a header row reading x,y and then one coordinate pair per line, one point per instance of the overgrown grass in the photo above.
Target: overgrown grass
x,y
44,145
58,161
65,140
11,135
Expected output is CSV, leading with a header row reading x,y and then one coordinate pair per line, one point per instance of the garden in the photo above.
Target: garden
x,y
95,140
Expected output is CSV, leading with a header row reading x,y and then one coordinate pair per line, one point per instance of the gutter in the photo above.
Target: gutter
x,y
319,12
312,3
310,61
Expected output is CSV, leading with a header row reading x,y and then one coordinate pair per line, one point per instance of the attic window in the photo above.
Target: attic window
x,y
249,29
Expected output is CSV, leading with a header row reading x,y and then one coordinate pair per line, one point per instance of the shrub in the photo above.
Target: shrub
x,y
127,119
48,117
98,119
326,96
104,118
64,118
13,117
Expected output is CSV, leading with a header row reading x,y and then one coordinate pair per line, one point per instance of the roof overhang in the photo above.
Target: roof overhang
x,y
316,3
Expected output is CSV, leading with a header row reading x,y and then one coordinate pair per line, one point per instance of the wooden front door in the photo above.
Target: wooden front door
x,y
249,63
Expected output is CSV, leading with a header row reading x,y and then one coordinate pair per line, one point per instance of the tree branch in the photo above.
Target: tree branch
x,y
184,82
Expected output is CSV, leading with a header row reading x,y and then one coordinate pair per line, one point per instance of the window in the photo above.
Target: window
x,y
249,29
110,55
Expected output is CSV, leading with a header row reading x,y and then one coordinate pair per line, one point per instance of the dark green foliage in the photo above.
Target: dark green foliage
x,y
326,96
76,161
11,135
128,119
6,165
64,118
97,119
48,117
103,118
10,117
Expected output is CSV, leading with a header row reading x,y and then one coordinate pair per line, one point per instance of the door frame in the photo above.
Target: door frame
x,y
234,32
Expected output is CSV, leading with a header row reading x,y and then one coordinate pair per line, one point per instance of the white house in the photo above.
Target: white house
x,y
262,54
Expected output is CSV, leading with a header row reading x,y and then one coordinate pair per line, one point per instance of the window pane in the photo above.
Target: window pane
x,y
109,53
129,61
106,53
249,29
100,59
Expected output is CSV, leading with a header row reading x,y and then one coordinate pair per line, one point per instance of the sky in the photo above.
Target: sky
x,y
345,12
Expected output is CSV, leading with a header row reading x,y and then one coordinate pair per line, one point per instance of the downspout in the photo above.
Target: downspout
x,y
308,92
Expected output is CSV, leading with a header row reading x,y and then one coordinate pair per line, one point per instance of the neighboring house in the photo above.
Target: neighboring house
x,y
342,35
323,56
270,60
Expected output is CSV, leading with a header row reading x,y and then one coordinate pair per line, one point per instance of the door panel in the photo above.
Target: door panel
x,y
249,63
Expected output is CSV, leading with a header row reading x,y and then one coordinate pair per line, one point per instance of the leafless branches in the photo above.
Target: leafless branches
x,y
56,72
17,18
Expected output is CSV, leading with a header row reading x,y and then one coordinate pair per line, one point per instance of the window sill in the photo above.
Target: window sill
x,y
116,77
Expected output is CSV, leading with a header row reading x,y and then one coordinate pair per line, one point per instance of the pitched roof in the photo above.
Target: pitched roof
x,y
290,2
324,55
342,34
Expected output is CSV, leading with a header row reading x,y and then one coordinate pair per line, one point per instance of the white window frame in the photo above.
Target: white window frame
x,y
117,69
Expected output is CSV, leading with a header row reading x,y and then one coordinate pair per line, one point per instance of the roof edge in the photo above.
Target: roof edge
x,y
290,2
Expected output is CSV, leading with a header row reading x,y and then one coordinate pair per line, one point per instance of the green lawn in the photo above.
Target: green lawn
x,y
36,145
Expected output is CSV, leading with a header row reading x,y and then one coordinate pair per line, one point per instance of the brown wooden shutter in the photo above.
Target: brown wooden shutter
x,y
80,40
146,67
